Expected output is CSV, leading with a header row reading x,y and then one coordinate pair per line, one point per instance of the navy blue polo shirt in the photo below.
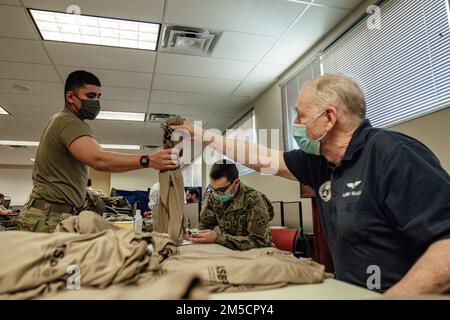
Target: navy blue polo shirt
x,y
384,204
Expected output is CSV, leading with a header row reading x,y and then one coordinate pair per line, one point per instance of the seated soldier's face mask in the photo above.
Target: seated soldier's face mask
x,y
89,108
227,195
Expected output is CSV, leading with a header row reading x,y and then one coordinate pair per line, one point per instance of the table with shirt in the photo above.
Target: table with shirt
x,y
329,289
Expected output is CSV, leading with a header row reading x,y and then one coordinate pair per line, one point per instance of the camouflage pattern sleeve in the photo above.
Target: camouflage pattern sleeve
x,y
208,218
258,230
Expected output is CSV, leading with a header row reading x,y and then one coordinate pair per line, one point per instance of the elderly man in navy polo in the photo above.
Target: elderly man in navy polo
x,y
384,198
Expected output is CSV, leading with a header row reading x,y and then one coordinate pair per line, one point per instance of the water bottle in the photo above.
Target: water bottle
x,y
138,221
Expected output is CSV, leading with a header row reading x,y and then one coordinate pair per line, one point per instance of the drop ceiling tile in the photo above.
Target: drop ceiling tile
x,y
316,22
139,80
128,94
241,46
251,89
12,128
270,17
33,122
287,51
196,117
119,125
11,2
153,135
7,122
100,57
124,106
178,64
15,23
27,111
228,112
117,132
142,10
196,85
16,156
23,51
344,4
222,118
181,109
55,89
28,71
172,97
219,123
265,72
7,99
237,102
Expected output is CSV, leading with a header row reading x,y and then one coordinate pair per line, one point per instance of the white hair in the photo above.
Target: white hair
x,y
340,92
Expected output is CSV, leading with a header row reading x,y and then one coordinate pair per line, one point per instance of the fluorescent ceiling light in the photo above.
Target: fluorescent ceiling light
x,y
19,143
121,146
67,27
3,111
124,116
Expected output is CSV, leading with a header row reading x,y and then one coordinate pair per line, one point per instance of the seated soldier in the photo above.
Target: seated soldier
x,y
242,213
3,210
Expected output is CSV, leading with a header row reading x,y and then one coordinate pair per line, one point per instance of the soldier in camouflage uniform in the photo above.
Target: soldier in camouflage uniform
x,y
241,213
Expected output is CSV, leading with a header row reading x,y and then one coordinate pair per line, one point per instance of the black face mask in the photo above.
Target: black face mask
x,y
89,109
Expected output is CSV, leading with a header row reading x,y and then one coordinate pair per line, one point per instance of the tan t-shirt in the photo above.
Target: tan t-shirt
x,y
57,175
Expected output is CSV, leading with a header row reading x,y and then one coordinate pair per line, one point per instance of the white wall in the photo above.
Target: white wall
x,y
434,131
135,180
16,183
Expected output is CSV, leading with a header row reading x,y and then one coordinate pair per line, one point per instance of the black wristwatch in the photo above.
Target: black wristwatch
x,y
145,161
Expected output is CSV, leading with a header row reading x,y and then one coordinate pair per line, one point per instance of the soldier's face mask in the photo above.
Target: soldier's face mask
x,y
89,108
227,193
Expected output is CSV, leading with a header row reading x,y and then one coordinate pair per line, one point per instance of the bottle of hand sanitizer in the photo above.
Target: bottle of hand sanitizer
x,y
138,221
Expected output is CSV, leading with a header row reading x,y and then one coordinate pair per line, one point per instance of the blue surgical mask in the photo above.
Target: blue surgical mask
x,y
303,141
223,197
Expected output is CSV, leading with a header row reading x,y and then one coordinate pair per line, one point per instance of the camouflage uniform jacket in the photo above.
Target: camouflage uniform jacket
x,y
243,221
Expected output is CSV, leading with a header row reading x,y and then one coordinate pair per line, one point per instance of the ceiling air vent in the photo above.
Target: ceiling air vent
x,y
160,117
194,41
